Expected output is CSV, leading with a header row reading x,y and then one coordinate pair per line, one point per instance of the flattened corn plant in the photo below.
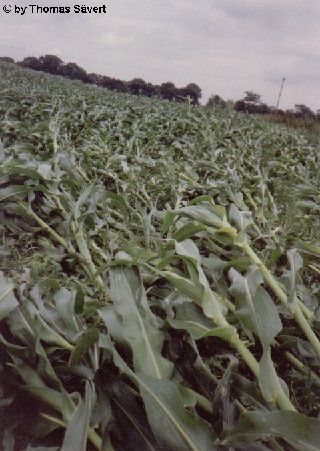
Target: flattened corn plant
x,y
159,278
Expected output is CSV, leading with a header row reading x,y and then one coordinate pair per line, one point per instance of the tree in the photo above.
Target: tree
x,y
54,65
150,90
51,64
114,84
7,59
136,86
252,104
119,85
31,62
106,82
302,110
216,100
94,79
168,90
252,97
263,108
193,91
240,106
251,107
73,71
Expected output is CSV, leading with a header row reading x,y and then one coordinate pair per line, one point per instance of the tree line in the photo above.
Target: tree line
x,y
52,64
251,103
301,116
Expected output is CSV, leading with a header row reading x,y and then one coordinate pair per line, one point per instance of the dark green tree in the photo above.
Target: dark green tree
x,y
302,110
216,100
168,90
252,97
73,71
7,59
193,91
114,84
137,86
51,64
150,90
31,62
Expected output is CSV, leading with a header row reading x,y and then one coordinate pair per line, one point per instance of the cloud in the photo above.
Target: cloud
x,y
115,40
226,46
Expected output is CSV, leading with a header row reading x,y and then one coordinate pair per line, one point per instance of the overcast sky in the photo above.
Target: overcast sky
x,y
226,46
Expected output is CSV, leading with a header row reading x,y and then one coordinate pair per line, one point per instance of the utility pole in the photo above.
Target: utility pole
x,y
282,83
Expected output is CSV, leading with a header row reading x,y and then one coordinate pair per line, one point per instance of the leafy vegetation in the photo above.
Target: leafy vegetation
x,y
160,264
301,117
52,64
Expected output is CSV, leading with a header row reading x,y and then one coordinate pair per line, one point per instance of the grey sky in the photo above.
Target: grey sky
x,y
226,46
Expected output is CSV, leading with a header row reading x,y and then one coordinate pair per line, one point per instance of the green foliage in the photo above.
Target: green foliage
x,y
159,274
252,97
54,65
216,100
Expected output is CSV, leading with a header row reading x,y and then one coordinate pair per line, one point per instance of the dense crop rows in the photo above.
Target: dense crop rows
x,y
159,275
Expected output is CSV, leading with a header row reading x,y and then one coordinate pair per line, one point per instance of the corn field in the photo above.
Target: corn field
x,y
159,274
